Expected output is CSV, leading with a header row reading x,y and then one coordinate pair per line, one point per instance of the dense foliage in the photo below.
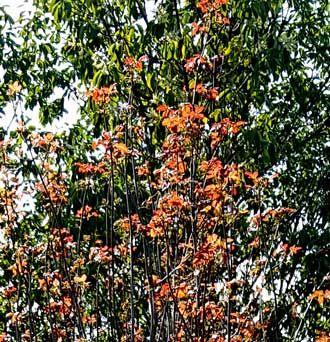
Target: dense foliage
x,y
190,200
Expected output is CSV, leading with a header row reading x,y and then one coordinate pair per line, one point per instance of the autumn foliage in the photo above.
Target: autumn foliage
x,y
178,242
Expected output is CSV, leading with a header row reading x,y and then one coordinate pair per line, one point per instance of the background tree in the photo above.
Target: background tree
x,y
159,214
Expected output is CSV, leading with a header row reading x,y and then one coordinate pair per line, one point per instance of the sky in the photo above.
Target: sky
x,y
16,6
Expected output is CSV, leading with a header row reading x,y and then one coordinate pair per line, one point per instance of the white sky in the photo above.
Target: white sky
x,y
15,7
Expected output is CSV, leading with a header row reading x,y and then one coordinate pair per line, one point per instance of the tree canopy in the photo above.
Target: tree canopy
x,y
190,200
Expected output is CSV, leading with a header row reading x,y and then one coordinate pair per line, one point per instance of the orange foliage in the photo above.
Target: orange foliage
x,y
102,94
320,296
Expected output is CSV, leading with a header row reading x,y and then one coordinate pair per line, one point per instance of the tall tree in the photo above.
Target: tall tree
x,y
190,200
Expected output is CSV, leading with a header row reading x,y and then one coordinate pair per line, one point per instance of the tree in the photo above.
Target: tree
x,y
176,208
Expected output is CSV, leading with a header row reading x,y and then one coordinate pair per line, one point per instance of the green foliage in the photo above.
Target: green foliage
x,y
117,229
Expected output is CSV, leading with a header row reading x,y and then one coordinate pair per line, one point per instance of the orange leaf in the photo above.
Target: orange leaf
x,y
294,249
80,280
122,148
161,108
14,88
